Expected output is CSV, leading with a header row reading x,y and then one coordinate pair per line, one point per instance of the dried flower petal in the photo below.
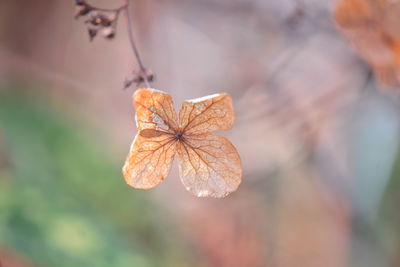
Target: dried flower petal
x,y
155,110
206,114
209,165
149,160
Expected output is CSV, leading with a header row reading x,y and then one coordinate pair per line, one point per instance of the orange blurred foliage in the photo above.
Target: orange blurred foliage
x,y
372,25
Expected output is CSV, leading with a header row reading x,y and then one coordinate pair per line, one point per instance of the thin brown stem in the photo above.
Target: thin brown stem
x,y
125,7
133,44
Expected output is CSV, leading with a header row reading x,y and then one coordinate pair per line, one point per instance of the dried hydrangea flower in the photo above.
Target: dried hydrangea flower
x,y
209,164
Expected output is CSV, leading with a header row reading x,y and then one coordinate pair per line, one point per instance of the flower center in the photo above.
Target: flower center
x,y
179,136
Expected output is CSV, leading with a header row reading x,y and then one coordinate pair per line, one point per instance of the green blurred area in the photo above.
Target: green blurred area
x,y
63,200
388,227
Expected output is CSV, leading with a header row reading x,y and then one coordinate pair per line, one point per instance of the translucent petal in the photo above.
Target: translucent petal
x,y
155,110
149,159
206,114
209,165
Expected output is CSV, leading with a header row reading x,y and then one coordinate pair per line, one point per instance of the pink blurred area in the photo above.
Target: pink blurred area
x,y
293,79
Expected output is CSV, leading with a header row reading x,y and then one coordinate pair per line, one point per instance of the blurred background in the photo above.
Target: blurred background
x,y
315,90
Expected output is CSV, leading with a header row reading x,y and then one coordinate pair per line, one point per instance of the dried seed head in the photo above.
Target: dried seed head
x,y
138,78
98,19
127,84
149,75
92,33
108,32
82,10
80,2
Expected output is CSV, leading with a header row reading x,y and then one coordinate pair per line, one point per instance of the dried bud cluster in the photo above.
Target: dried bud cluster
x,y
97,22
138,78
104,21
82,8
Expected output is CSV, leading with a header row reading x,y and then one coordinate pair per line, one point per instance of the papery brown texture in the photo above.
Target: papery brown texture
x,y
372,25
209,164
149,160
206,114
154,110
